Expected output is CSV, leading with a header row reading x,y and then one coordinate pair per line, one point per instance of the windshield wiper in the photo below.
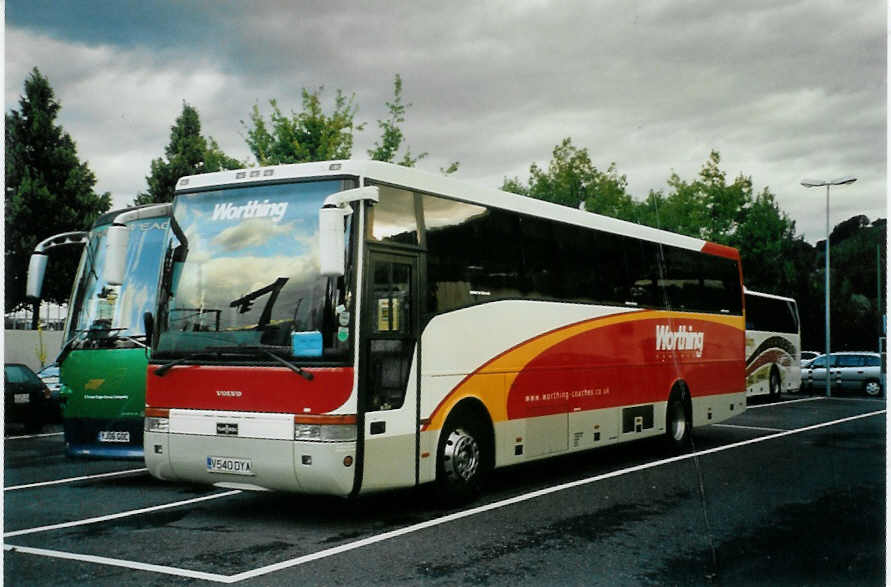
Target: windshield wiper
x,y
92,334
242,350
252,350
160,371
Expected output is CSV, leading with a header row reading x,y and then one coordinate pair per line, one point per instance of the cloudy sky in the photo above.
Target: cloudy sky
x,y
783,90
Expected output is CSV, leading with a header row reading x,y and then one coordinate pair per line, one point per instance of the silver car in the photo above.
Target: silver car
x,y
807,357
848,371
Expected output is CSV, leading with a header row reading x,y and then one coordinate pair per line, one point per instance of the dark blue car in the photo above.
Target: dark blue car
x,y
27,398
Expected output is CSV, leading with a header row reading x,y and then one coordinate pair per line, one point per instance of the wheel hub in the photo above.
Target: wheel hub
x,y
678,421
461,456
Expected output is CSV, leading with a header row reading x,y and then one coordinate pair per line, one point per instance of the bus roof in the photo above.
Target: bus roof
x,y
439,185
108,217
760,294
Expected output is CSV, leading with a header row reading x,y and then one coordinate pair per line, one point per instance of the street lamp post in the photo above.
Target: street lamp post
x,y
812,183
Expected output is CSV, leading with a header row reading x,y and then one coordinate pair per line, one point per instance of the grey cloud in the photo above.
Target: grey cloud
x,y
782,89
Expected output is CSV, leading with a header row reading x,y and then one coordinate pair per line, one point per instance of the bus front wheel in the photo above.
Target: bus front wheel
x,y
461,461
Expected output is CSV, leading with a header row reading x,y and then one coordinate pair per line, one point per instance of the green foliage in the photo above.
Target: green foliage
x,y
314,135
311,135
572,179
858,258
391,133
707,207
515,186
48,191
188,153
774,258
452,168
766,241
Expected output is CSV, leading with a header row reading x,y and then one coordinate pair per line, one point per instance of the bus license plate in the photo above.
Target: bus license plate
x,y
114,436
229,465
22,398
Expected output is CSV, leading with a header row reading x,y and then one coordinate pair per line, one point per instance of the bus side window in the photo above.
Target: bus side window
x,y
391,340
393,218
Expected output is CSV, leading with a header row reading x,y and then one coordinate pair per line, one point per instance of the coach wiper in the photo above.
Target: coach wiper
x,y
160,371
253,350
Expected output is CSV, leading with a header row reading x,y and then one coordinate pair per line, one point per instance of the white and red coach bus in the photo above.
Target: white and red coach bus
x,y
773,344
352,326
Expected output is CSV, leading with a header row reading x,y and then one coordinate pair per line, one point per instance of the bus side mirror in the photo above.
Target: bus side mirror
x,y
332,260
116,253
36,273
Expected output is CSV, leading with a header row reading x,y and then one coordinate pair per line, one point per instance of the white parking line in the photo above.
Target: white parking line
x,y
73,479
791,401
114,562
519,499
301,560
35,435
117,516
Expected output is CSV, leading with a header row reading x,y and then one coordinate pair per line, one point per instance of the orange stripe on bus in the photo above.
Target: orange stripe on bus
x,y
491,382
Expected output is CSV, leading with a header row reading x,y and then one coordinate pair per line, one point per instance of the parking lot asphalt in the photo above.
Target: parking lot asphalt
x,y
788,493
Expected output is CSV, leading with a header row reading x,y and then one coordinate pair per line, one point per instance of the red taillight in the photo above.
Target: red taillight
x,y
157,412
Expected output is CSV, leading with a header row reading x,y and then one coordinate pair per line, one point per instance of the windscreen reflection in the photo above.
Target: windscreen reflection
x,y
250,276
103,310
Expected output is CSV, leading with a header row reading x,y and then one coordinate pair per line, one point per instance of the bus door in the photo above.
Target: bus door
x,y
390,325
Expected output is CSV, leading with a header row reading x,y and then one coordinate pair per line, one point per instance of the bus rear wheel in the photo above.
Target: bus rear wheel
x,y
774,383
678,421
461,461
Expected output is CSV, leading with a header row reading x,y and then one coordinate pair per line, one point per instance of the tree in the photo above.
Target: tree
x,y
767,243
857,266
48,191
726,204
188,153
847,229
572,179
311,135
707,207
391,134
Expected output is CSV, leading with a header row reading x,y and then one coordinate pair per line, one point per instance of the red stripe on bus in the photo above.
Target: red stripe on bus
x,y
249,389
622,364
721,251
769,357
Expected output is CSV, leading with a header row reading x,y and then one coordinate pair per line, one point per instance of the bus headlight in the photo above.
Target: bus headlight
x,y
325,428
157,420
307,432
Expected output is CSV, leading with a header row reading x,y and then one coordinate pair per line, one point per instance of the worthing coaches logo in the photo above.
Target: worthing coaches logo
x,y
253,209
683,338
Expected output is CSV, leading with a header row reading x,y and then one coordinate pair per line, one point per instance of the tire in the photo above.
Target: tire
x,y
678,422
872,388
461,461
775,384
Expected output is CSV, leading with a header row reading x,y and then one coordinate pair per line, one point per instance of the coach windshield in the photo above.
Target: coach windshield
x,y
249,278
102,313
